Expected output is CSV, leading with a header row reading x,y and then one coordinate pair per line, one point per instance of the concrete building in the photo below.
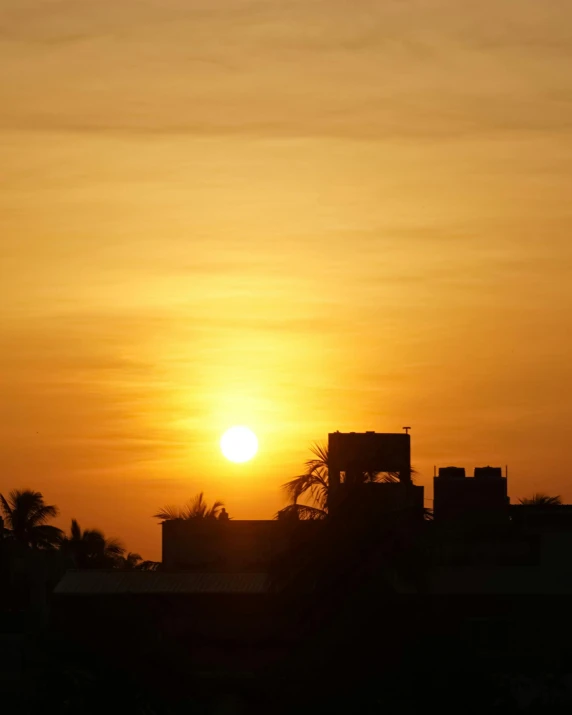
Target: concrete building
x,y
230,545
480,544
353,456
462,500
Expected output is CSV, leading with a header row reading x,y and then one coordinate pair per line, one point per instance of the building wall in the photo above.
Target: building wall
x,y
380,501
524,556
357,452
234,545
470,499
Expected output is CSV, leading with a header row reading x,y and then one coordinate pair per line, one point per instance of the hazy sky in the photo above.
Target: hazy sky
x,y
299,215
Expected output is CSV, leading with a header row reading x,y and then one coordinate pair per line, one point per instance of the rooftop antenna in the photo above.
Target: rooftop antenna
x,y
406,429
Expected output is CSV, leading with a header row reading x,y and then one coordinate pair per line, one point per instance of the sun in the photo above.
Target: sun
x,y
239,444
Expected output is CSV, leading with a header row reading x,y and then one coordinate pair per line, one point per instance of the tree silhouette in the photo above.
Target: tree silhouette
x,y
89,548
196,508
25,516
131,561
301,512
314,484
135,562
540,499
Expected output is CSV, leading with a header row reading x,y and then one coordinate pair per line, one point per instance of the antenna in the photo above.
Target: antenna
x,y
406,429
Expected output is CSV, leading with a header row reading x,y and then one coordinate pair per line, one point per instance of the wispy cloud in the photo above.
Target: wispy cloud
x,y
410,70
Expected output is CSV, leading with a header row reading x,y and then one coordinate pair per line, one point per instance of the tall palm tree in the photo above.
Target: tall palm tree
x,y
196,508
26,515
540,499
314,484
89,548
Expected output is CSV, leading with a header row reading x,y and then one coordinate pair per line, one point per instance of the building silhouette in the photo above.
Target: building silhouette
x,y
481,499
374,592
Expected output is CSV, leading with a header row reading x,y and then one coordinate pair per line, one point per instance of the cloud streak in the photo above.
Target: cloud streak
x,y
409,70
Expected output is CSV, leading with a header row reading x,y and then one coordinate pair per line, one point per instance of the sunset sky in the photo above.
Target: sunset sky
x,y
299,215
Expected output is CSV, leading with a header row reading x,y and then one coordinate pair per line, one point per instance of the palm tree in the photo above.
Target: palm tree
x,y
540,499
131,561
314,483
25,516
391,554
135,562
89,548
196,508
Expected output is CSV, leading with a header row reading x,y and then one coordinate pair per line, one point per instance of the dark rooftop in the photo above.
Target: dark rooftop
x,y
153,582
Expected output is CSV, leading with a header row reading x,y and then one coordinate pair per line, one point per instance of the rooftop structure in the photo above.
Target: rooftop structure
x,y
464,500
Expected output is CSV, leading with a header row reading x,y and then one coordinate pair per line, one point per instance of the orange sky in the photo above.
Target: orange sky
x,y
299,215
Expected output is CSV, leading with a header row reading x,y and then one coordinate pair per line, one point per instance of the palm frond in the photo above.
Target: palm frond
x,y
195,508
46,535
314,482
114,547
316,487
540,499
298,485
75,530
386,477
168,513
302,512
321,457
215,509
6,509
43,512
93,535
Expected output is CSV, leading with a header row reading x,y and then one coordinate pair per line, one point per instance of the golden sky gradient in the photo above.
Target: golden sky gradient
x,y
298,215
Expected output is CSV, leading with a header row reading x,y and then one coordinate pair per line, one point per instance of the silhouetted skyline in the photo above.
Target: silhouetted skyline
x,y
473,596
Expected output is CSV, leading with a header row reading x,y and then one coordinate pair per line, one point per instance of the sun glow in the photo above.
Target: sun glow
x,y
239,444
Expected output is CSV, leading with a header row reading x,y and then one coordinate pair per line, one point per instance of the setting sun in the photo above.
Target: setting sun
x,y
239,444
